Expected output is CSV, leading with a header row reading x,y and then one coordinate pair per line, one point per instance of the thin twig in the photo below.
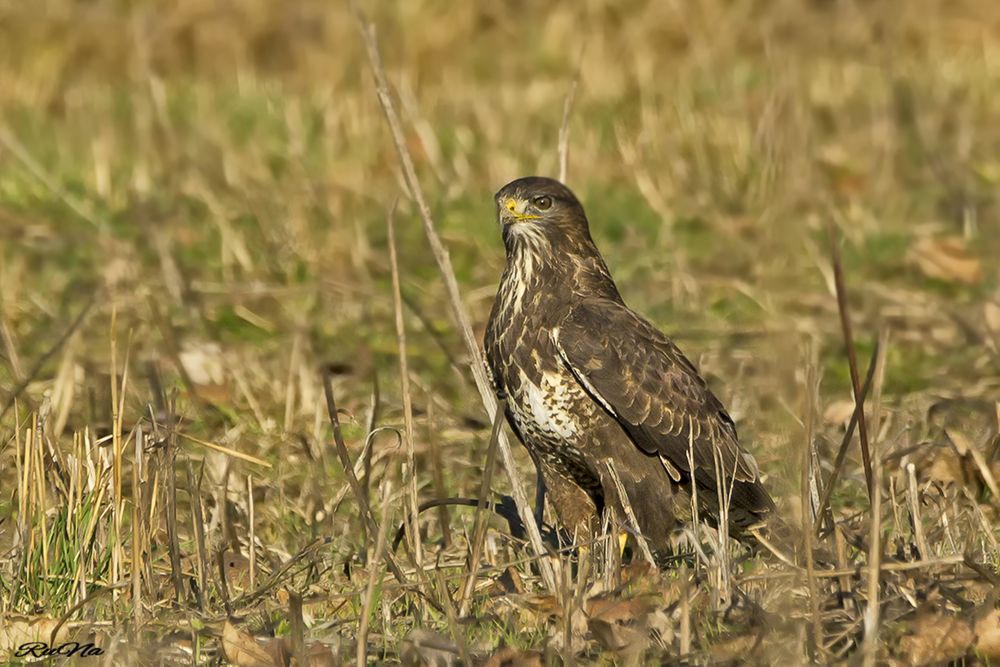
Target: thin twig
x,y
852,358
458,313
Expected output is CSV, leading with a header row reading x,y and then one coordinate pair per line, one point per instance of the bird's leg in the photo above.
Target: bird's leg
x,y
539,497
573,507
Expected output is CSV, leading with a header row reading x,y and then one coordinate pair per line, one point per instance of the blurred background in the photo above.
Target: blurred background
x,y
207,183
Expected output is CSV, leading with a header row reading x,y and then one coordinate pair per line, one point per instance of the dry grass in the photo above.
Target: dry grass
x,y
193,203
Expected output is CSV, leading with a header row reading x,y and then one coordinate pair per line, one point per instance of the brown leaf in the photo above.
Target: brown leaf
x,y
318,654
620,625
237,570
512,657
988,636
937,638
540,607
619,611
946,259
244,651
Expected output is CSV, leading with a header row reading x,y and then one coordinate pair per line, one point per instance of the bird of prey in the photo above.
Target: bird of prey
x,y
595,391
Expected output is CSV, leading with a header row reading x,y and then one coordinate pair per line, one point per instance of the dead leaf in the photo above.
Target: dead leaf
x,y
620,625
946,259
243,650
541,608
937,638
237,570
988,636
318,654
617,610
512,657
946,466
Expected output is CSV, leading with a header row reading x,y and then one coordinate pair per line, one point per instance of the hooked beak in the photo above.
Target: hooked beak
x,y
511,210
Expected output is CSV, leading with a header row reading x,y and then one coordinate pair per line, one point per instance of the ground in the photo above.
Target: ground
x,y
193,206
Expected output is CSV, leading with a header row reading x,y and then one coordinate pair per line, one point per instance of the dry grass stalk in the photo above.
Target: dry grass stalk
x,y
136,564
872,611
352,478
298,628
117,449
49,354
640,540
454,296
454,627
685,643
695,519
252,546
567,114
170,504
838,463
479,525
437,471
198,528
413,534
913,497
852,357
10,141
228,451
373,575
808,508
724,494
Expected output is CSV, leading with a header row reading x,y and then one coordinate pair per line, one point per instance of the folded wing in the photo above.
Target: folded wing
x,y
644,381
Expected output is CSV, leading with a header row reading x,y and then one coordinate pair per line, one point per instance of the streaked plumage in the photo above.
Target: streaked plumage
x,y
587,379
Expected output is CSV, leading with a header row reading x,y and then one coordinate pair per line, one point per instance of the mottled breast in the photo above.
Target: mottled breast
x,y
550,406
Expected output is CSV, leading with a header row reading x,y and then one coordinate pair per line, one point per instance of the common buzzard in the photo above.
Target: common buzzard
x,y
588,380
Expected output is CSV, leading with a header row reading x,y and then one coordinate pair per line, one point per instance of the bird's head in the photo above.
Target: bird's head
x,y
540,208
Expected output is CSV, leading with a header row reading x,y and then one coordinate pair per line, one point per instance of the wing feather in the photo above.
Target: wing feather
x,y
644,381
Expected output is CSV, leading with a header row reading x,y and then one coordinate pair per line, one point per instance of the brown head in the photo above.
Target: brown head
x,y
535,209
547,238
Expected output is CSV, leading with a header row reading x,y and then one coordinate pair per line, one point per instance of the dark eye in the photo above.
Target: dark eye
x,y
542,203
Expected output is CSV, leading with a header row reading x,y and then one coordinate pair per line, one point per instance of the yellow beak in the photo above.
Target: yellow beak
x,y
511,208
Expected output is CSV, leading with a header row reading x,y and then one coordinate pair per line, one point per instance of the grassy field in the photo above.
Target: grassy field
x,y
193,206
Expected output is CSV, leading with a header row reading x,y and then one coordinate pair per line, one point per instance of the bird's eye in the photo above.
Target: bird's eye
x,y
542,203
